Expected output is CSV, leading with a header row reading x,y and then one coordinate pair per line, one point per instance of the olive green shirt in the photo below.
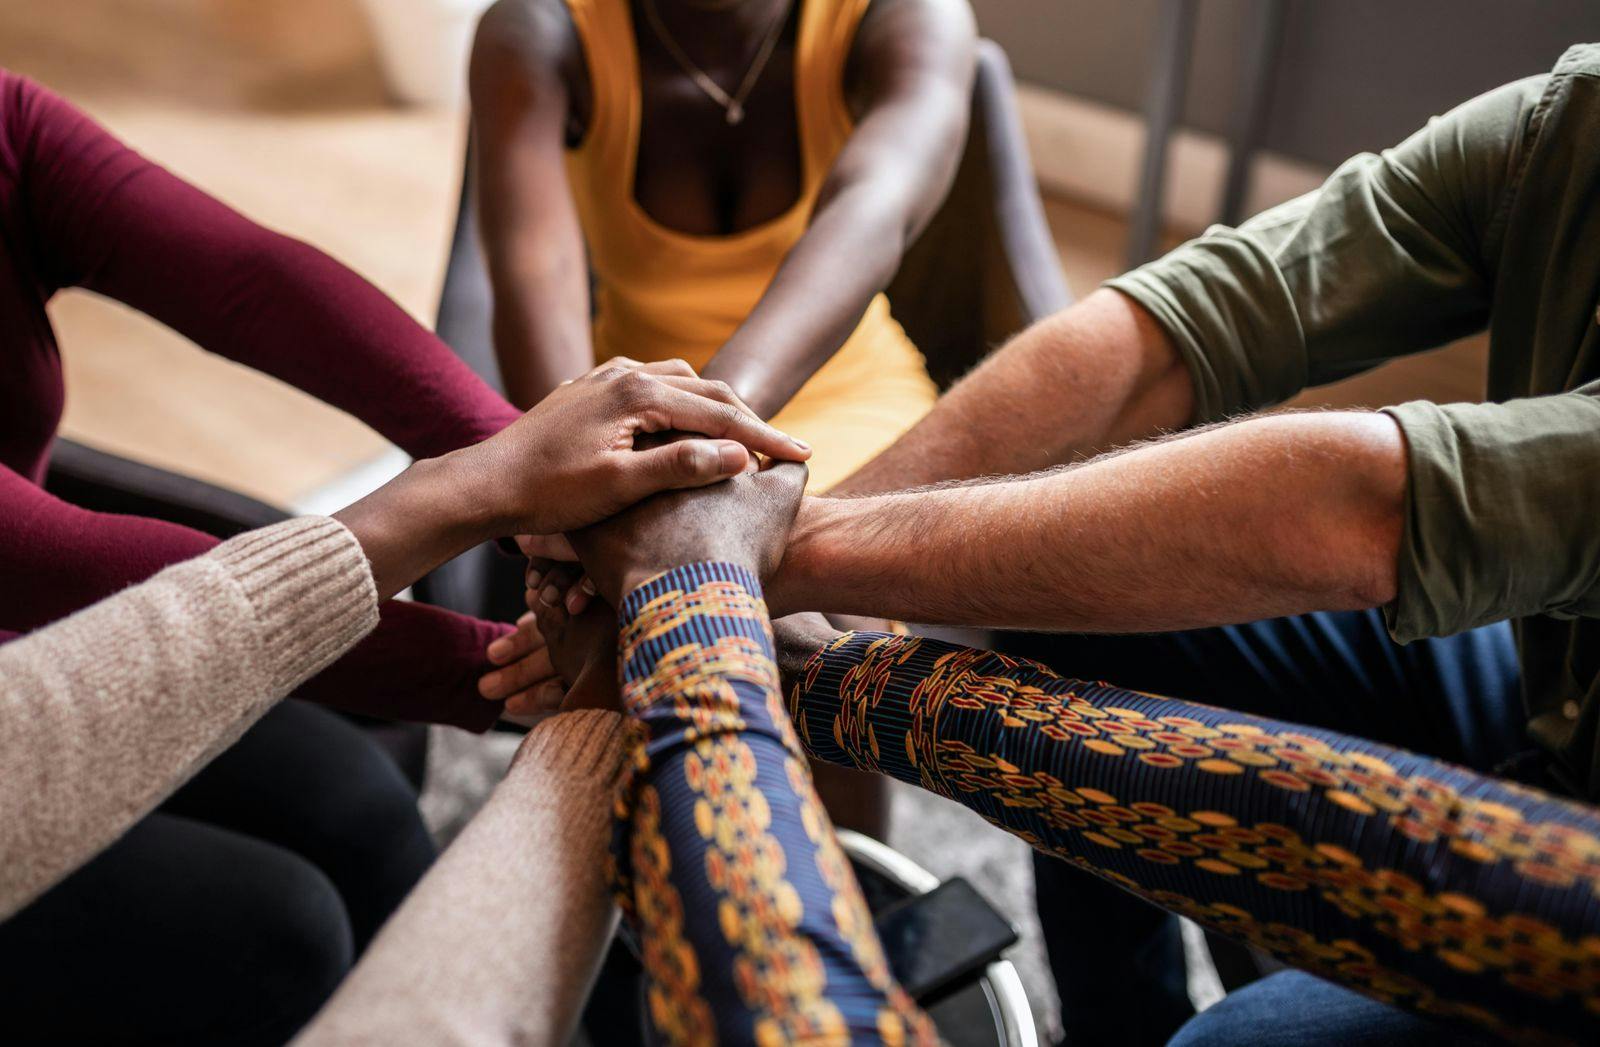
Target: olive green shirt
x,y
1489,217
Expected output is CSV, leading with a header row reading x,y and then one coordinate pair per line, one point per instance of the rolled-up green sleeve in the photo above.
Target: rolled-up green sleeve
x,y
1501,513
1392,255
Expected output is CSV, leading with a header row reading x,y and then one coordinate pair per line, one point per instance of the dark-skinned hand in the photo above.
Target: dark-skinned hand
x,y
743,521
584,452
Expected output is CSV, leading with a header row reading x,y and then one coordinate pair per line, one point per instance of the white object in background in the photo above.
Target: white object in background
x,y
424,45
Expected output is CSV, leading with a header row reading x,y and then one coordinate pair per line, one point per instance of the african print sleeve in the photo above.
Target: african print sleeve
x,y
753,927
1414,881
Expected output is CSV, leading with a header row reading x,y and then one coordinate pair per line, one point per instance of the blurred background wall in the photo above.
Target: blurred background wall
x,y
1354,74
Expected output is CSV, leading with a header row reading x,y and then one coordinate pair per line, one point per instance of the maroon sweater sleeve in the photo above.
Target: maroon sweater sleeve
x,y
105,218
90,212
421,664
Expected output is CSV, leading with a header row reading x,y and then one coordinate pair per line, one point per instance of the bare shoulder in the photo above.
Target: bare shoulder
x,y
527,57
919,39
531,40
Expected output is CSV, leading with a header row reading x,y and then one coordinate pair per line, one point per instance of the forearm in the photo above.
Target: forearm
x,y
815,301
109,220
719,780
541,314
1097,375
533,357
507,930
1373,867
1270,516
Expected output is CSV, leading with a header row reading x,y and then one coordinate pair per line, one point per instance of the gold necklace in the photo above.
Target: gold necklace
x,y
732,105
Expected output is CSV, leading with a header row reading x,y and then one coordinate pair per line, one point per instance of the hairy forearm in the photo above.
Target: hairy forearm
x,y
1091,377
1271,516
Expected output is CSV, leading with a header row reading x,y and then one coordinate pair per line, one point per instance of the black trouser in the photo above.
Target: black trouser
x,y
229,916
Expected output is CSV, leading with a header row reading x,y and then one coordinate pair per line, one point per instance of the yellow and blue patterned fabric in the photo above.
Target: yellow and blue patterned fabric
x,y
752,925
1414,881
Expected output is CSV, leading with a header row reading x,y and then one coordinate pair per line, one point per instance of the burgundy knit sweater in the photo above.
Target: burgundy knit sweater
x,y
80,209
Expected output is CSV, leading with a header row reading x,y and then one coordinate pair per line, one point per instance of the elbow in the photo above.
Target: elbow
x,y
1376,586
1348,517
1375,511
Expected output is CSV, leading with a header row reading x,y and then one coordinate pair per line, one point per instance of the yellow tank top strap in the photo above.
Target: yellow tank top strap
x,y
605,31
827,33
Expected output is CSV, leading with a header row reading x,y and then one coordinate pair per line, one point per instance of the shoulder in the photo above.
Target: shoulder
x,y
531,39
924,38
527,53
945,25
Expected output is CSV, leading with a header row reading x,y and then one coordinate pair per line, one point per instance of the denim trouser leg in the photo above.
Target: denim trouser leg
x,y
1292,1007
1118,963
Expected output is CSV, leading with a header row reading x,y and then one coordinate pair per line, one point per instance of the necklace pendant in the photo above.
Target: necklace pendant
x,y
735,114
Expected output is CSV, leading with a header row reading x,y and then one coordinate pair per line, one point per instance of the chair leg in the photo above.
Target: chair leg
x,y
1168,86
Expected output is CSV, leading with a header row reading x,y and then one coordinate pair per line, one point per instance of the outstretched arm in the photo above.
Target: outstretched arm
x,y
753,927
508,928
911,80
103,714
1270,516
1097,375
107,219
1394,254
1420,883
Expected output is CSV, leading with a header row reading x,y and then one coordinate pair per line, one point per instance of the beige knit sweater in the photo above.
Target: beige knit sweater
x,y
104,714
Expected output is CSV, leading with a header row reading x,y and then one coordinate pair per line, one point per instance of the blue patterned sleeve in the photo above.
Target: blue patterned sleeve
x,y
1414,881
754,929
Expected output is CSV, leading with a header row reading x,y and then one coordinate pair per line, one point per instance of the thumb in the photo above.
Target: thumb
x,y
687,463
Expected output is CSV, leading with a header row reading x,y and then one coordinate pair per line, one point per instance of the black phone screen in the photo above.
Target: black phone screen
x,y
936,941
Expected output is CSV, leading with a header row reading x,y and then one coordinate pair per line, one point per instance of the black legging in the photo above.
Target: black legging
x,y
229,916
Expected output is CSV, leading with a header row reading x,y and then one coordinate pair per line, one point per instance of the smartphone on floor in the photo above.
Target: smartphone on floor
x,y
939,941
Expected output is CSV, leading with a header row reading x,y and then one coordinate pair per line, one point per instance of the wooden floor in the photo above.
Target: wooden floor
x,y
278,108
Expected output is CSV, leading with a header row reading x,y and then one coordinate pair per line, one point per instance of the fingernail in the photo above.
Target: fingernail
x,y
533,578
498,649
527,619
550,596
731,457
800,443
587,585
575,601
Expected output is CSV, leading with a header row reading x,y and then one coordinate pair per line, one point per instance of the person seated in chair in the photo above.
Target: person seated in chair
x,y
741,178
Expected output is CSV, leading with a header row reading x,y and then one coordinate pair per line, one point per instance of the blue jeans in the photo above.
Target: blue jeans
x,y
1292,1007
1118,961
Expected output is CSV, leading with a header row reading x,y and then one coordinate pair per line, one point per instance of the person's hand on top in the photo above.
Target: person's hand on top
x,y
582,454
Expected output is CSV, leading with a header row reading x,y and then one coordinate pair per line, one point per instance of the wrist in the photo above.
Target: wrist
x,y
633,578
460,498
412,524
794,586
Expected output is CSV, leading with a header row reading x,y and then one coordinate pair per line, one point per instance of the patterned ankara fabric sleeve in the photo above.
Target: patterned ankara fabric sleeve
x,y
754,929
1414,881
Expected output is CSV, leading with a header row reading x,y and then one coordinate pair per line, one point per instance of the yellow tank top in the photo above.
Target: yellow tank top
x,y
662,293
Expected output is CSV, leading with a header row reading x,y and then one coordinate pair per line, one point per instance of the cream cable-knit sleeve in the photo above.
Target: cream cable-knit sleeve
x,y
105,713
